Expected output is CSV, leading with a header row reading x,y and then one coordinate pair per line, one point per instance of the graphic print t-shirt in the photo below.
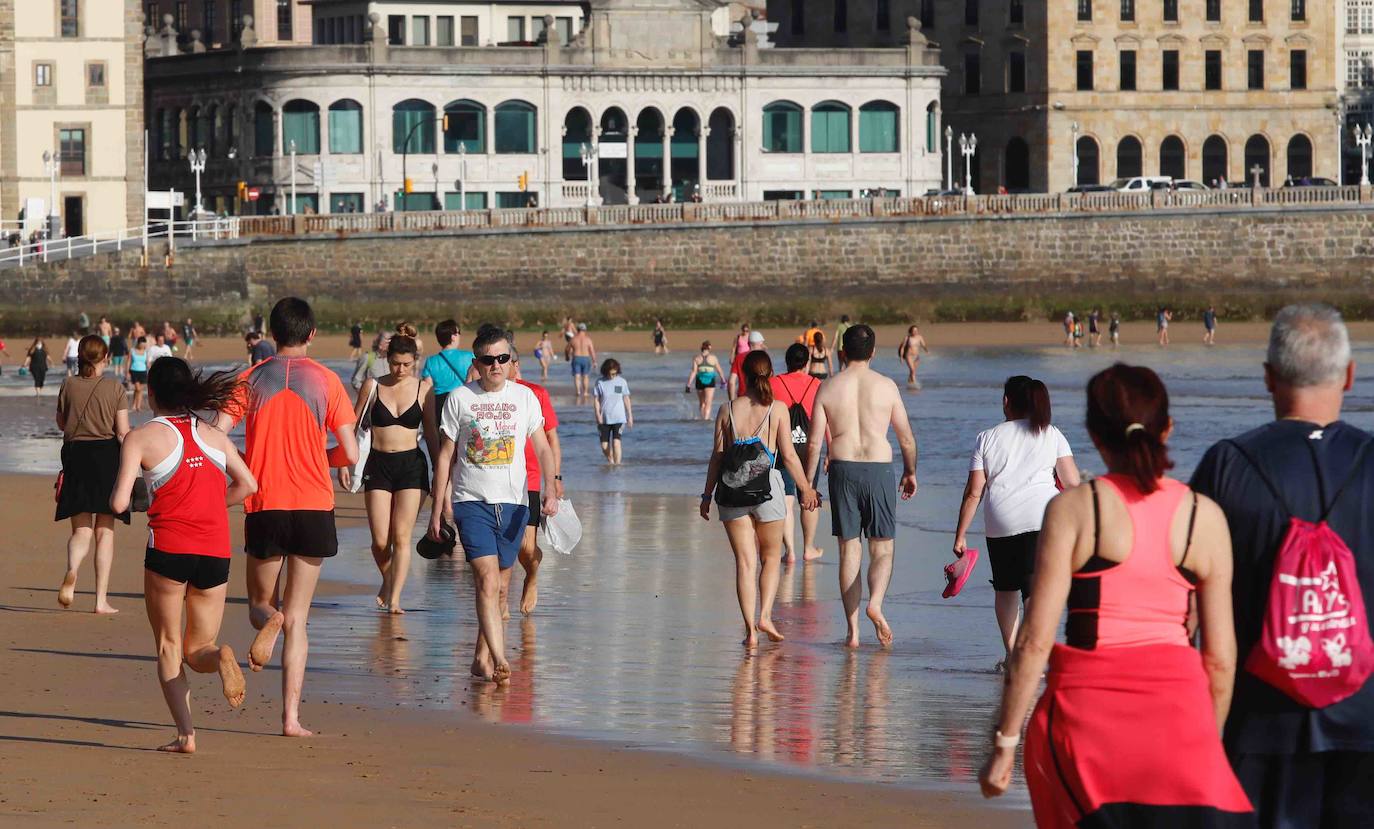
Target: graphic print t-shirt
x,y
610,393
491,429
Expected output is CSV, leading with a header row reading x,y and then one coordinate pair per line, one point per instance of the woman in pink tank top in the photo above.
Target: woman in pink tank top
x,y
1127,732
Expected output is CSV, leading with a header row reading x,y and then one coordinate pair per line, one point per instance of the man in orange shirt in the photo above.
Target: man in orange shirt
x,y
289,404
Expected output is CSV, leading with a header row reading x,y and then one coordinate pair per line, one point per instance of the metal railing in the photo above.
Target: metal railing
x,y
20,253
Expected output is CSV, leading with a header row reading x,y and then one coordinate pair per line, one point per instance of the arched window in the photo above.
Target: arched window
x,y
830,128
412,127
720,145
301,124
231,129
933,128
1173,160
782,128
515,127
649,136
1017,176
614,166
183,137
684,151
264,131
161,128
214,132
1299,157
1257,155
346,127
878,128
467,127
577,130
1214,160
1128,157
1089,165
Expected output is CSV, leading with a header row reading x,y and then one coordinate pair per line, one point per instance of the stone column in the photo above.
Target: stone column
x,y
630,194
668,131
702,135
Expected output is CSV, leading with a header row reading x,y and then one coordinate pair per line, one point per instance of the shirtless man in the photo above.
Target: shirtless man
x,y
910,354
583,357
852,414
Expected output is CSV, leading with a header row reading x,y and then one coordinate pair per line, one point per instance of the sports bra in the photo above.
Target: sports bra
x,y
706,372
411,418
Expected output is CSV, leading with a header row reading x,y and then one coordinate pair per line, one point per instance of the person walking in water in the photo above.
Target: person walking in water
x,y
854,411
93,414
1127,731
396,476
909,352
660,338
36,364
819,363
543,354
705,375
289,404
1301,765
614,410
186,567
1014,468
1209,326
797,391
583,357
753,434
1162,325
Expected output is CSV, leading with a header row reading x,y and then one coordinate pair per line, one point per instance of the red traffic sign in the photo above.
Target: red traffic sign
x,y
254,193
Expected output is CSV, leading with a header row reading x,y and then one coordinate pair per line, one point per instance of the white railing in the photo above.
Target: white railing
x,y
20,253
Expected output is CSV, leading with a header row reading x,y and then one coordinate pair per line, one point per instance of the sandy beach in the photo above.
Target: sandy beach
x,y
80,711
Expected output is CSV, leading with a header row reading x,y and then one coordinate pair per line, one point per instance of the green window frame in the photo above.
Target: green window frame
x,y
467,127
830,128
516,126
346,127
878,127
301,123
405,117
782,128
264,132
470,201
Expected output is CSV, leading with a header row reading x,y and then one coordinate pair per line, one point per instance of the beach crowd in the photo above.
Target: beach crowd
x,y
1212,669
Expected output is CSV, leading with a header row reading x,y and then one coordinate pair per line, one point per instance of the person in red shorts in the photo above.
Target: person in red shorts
x,y
530,554
289,404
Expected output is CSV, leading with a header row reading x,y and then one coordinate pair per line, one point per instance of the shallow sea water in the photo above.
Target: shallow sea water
x,y
636,639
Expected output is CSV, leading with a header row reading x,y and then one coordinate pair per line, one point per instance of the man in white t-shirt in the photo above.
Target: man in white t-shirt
x,y
158,350
485,425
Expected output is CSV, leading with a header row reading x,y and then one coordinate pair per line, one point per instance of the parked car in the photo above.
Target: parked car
x,y
1179,184
1090,188
1310,182
1138,184
933,192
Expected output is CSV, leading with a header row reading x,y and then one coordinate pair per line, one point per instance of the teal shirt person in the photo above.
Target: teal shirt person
x,y
448,369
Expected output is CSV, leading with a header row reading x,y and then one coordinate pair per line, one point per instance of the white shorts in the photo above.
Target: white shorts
x,y
774,509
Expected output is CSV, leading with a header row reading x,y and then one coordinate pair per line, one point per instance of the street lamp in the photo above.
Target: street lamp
x,y
1363,135
292,210
462,174
591,155
197,159
1074,129
968,145
949,158
50,167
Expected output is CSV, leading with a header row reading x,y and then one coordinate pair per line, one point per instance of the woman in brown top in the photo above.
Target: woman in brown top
x,y
93,414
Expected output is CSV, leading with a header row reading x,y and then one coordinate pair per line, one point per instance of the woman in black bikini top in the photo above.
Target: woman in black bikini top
x,y
819,366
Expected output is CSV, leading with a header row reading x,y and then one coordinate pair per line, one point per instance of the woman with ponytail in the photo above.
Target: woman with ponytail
x,y
186,568
1015,465
1127,731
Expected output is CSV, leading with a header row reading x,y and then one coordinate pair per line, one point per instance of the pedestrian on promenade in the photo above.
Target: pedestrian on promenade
x,y
853,413
93,414
1127,729
36,364
289,405
491,419
1209,326
186,567
583,358
909,352
796,390
531,556
396,476
705,375
614,409
1301,765
1015,467
753,434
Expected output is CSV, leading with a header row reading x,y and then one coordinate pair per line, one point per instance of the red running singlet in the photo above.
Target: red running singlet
x,y
188,515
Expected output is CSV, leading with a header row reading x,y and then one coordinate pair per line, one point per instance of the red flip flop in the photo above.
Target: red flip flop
x,y
958,571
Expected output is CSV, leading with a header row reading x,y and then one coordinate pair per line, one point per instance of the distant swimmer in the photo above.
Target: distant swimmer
x,y
583,357
193,472
705,375
909,352
853,413
543,353
660,337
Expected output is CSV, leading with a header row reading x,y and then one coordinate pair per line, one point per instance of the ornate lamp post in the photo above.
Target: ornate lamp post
x,y
50,165
197,159
591,154
1363,135
292,208
968,145
949,158
462,174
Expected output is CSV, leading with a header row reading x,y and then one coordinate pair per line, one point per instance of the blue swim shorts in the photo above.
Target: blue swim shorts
x,y
582,366
491,529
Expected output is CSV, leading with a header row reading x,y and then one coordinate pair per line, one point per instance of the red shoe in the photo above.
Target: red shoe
x,y
958,571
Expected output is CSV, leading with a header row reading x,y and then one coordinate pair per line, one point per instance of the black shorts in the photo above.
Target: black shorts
x,y
536,508
139,377
704,386
395,471
282,532
1328,788
609,431
203,572
1013,562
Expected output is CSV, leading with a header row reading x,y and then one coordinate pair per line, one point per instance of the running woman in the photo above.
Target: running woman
x,y
186,567
909,352
705,375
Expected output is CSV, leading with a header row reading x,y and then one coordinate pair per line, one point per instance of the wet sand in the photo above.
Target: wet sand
x,y
80,711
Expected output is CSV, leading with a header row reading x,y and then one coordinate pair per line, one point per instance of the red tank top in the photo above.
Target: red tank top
x,y
188,515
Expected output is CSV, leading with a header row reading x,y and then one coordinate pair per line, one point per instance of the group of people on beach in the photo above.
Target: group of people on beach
x,y
130,354
1076,336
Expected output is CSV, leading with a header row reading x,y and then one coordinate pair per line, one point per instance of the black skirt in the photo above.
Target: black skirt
x,y
89,469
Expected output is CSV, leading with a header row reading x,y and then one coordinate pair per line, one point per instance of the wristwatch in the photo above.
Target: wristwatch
x,y
558,477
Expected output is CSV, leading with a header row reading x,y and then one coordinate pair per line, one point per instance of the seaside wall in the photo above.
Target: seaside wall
x,y
898,265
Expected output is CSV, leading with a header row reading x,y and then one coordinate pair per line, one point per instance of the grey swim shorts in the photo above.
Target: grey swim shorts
x,y
863,500
774,509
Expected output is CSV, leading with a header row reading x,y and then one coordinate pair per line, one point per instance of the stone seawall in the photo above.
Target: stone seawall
x,y
898,265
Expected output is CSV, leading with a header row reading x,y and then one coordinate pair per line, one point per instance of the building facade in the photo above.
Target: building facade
x,y
1086,91
645,103
1355,76
71,87
276,22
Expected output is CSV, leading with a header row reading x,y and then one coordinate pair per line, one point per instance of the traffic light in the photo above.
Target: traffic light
x,y
243,191
410,186
445,123
523,181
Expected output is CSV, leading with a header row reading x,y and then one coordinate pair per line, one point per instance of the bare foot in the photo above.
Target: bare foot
x,y
751,639
529,594
261,651
501,675
505,611
852,639
105,609
294,729
231,677
67,593
381,603
481,670
181,745
812,553
788,558
880,627
767,626
395,609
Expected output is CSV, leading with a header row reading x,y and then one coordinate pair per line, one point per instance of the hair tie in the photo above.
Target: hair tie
x,y
1134,427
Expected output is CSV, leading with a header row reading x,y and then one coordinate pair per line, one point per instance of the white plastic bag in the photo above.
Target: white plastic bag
x,y
363,434
562,531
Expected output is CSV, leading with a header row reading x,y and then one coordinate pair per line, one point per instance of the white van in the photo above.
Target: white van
x,y
1139,184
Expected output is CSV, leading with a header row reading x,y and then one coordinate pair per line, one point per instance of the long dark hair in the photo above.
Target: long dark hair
x,y
1128,414
758,375
176,387
1027,398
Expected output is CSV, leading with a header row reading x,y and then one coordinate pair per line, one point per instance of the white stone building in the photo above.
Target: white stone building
x,y
671,109
1355,32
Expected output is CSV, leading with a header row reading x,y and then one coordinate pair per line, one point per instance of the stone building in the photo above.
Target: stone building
x,y
1355,76
279,22
661,105
71,87
1091,90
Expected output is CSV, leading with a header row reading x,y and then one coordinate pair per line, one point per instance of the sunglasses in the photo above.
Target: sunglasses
x,y
492,359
